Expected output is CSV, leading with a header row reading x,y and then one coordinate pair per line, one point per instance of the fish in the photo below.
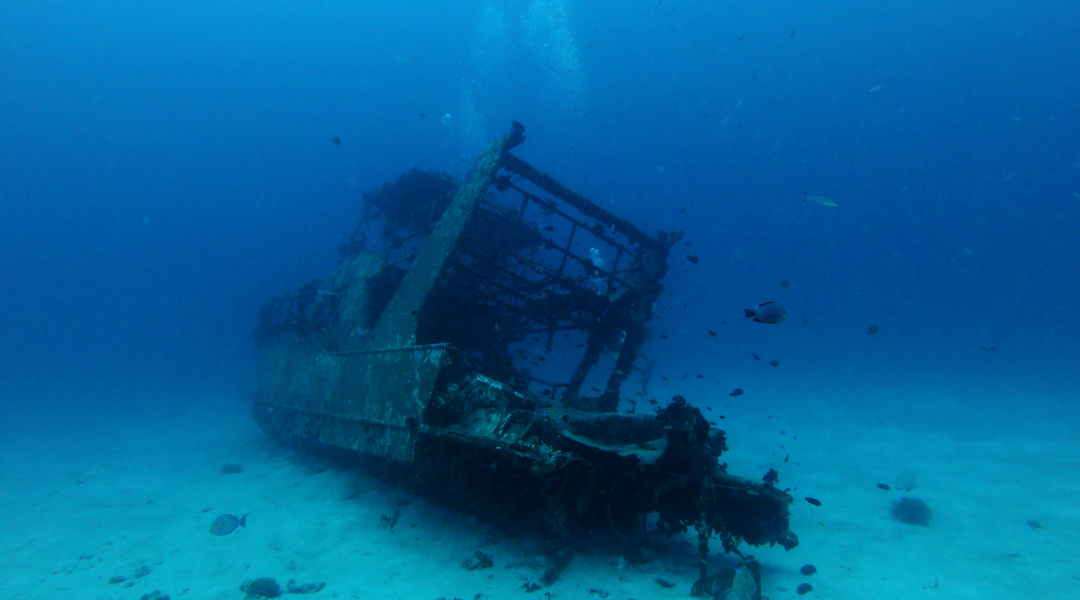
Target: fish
x,y
884,486
770,313
784,283
756,357
873,330
646,374
736,392
231,469
774,363
692,258
813,501
876,88
226,524
712,333
988,348
822,200
905,481
337,141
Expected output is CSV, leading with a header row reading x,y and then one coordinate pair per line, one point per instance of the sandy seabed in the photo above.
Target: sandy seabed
x,y
109,494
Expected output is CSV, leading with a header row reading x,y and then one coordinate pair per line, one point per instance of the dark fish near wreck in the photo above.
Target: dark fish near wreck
x,y
767,312
736,392
226,524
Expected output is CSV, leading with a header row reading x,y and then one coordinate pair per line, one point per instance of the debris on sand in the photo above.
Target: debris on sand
x,y
479,560
263,587
303,588
910,511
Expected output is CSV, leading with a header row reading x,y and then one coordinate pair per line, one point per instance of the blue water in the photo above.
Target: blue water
x,y
165,169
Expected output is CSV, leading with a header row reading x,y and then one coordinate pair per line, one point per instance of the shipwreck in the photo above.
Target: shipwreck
x,y
475,339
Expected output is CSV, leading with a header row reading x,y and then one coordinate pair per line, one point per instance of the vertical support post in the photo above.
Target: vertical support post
x,y
398,323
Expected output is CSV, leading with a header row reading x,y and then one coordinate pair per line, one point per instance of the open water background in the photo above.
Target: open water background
x,y
165,168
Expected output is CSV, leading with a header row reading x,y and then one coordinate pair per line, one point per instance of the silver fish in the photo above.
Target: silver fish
x,y
226,524
822,200
646,373
767,312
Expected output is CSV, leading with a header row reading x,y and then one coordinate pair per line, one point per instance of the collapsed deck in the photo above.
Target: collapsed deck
x,y
478,336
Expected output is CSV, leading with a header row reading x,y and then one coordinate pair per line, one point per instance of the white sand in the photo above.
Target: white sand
x,y
86,498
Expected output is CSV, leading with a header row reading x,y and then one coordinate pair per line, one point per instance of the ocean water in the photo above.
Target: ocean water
x,y
166,168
